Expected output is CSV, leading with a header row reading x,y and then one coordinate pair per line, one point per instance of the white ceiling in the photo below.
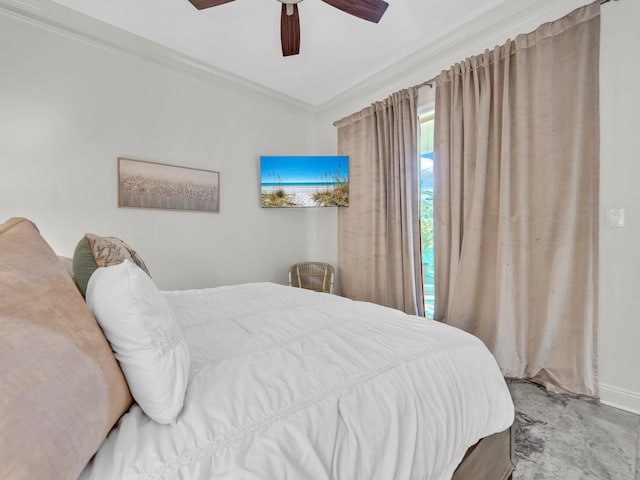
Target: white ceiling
x,y
337,50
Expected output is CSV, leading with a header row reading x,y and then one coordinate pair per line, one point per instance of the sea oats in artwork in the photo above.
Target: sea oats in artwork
x,y
154,185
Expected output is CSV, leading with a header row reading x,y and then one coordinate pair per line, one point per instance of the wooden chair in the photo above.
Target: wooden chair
x,y
317,276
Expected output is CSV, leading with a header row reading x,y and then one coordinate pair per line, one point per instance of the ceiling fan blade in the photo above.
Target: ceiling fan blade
x,y
201,4
371,10
290,30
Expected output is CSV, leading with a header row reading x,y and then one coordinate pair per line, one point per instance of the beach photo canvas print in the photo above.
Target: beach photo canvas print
x,y
155,185
304,181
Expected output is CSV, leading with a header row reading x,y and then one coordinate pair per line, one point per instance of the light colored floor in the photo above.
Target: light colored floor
x,y
567,438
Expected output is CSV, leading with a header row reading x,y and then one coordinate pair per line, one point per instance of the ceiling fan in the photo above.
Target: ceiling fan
x,y
370,10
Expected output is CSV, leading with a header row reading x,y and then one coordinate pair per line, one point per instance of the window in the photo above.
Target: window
x,y
426,209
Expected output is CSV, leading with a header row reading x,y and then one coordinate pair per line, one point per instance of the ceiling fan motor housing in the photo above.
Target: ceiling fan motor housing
x,y
290,4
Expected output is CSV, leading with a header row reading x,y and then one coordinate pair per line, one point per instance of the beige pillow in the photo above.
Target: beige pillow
x,y
61,387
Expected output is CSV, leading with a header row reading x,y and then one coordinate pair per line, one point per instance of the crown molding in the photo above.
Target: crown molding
x,y
491,28
62,20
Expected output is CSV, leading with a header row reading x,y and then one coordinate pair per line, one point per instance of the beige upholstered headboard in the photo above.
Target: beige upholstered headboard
x,y
61,389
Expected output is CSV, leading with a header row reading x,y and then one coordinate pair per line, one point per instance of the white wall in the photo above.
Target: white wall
x,y
69,108
619,174
619,335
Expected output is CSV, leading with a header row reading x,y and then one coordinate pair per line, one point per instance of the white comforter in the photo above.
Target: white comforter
x,y
287,383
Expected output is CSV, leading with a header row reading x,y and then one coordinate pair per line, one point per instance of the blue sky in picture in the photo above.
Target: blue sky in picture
x,y
302,169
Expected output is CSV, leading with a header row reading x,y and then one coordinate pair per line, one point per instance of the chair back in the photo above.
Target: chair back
x,y
316,276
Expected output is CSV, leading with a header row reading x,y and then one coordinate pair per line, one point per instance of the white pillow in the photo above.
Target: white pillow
x,y
145,337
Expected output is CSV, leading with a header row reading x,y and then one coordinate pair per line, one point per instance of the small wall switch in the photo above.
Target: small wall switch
x,y
615,217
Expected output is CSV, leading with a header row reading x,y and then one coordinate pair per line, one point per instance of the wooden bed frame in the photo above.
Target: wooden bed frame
x,y
489,459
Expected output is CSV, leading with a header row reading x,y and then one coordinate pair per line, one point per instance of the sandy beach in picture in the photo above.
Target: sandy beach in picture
x,y
302,196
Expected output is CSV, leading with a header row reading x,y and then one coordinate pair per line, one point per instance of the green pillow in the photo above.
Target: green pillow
x,y
83,264
94,251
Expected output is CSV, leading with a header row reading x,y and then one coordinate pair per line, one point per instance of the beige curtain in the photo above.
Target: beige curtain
x,y
379,258
516,201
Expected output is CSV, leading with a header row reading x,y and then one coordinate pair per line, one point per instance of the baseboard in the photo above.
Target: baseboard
x,y
620,398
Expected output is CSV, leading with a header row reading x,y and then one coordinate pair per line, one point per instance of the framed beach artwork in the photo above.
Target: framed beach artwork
x,y
304,181
144,184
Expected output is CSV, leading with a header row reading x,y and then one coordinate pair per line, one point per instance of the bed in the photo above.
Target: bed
x,y
280,383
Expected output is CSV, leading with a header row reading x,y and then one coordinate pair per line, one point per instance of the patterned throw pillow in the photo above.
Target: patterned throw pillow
x,y
94,251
